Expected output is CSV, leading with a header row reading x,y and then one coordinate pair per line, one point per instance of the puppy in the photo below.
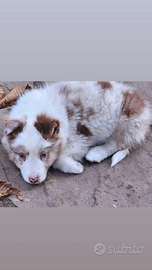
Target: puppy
x,y
64,122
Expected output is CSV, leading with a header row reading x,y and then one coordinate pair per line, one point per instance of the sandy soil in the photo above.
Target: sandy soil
x,y
128,184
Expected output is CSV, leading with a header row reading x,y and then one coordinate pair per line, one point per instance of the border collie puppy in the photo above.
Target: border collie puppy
x,y
62,123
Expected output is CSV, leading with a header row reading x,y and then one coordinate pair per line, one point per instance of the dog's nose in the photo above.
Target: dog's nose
x,y
34,179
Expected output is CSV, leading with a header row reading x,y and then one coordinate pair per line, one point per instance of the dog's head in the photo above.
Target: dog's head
x,y
33,145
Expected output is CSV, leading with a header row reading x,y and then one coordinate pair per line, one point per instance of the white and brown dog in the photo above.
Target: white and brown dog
x,y
60,124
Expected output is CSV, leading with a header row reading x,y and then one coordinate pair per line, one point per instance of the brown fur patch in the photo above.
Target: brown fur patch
x,y
77,103
47,126
16,127
20,149
90,112
15,158
66,90
70,112
51,154
133,104
82,129
14,154
105,85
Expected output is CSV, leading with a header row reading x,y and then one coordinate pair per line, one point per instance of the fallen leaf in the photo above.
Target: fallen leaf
x,y
4,188
7,189
14,94
14,190
19,197
2,93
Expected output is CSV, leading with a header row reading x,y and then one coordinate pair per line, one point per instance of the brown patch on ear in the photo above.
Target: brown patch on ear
x,y
47,126
133,104
82,129
105,85
13,127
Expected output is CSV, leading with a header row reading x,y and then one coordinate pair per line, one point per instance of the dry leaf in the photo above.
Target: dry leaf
x,y
19,197
2,93
6,189
14,190
14,94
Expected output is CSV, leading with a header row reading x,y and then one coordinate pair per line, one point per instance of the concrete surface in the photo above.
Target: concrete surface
x,y
128,184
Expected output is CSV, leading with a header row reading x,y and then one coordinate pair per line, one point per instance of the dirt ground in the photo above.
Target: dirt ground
x,y
128,184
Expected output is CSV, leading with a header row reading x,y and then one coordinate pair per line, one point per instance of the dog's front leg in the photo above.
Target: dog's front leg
x,y
67,165
99,153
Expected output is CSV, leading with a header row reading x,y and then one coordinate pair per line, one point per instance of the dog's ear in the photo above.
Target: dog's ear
x,y
13,127
47,126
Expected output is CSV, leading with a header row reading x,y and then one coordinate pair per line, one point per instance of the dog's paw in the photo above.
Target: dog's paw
x,y
77,168
74,167
96,155
93,157
68,166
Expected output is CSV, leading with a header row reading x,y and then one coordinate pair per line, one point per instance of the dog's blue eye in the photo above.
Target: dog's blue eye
x,y
22,156
42,155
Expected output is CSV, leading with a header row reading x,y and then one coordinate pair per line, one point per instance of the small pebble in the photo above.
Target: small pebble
x,y
75,203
